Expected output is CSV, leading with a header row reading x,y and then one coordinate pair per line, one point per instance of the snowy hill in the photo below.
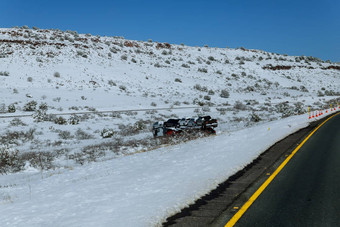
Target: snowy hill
x,y
45,72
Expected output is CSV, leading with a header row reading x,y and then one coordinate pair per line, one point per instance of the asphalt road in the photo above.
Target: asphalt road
x,y
307,190
300,185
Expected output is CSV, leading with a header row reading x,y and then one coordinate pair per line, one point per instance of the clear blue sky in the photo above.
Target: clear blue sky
x,y
300,27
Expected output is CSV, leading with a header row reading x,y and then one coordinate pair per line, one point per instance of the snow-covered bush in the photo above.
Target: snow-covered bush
x,y
222,111
224,93
254,117
65,135
60,121
124,57
40,116
211,92
200,88
240,106
202,70
56,75
122,87
107,133
207,97
73,120
82,135
81,53
39,160
17,122
299,108
321,94
111,83
30,106
11,108
303,88
4,73
43,106
9,160
3,107
211,58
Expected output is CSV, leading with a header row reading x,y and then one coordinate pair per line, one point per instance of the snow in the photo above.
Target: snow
x,y
127,186
136,190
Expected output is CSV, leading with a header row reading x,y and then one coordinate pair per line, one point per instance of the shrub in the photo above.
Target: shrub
x,y
178,80
14,137
202,70
124,57
60,121
65,135
40,115
107,133
11,108
222,111
157,65
240,106
200,88
9,160
122,87
224,94
5,73
30,106
207,97
211,58
185,66
303,88
41,160
254,117
321,94
43,106
111,83
73,120
82,135
235,76
81,53
219,72
17,122
56,74
211,92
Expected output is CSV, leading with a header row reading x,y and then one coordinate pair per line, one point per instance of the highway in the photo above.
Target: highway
x,y
306,192
296,182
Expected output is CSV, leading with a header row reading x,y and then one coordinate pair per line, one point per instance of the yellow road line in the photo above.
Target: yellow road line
x,y
252,199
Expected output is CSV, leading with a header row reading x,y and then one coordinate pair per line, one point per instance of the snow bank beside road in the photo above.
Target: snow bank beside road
x,y
136,190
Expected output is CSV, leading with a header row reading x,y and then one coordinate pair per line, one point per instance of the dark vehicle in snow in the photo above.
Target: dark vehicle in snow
x,y
188,125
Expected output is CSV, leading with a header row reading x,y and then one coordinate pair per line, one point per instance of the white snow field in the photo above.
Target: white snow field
x,y
135,190
60,171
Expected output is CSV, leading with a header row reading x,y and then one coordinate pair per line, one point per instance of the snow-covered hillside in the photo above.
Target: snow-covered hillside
x,y
71,72
45,72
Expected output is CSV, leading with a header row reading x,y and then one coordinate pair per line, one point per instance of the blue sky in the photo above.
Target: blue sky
x,y
300,27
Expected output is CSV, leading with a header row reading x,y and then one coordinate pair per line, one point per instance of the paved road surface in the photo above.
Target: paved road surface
x,y
221,204
307,190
